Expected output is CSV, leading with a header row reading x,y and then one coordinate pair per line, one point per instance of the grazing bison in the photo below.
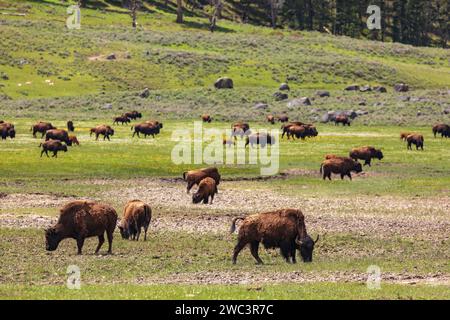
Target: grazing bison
x,y
416,139
344,119
240,129
53,146
136,215
366,154
283,118
58,134
70,126
262,139
73,140
301,131
206,118
122,119
284,229
146,129
155,123
41,127
133,115
403,135
206,188
80,220
285,127
7,130
443,129
339,165
193,177
104,130
271,119
228,142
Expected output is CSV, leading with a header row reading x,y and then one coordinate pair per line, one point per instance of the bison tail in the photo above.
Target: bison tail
x,y
184,176
147,213
233,224
321,167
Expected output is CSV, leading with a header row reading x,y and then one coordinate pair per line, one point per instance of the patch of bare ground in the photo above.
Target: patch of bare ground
x,y
33,200
255,278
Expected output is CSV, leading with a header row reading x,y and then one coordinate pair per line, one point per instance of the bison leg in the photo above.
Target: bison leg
x,y
254,250
342,176
42,152
294,260
349,175
80,242
109,234
55,154
189,186
240,245
212,198
285,250
96,136
145,232
101,240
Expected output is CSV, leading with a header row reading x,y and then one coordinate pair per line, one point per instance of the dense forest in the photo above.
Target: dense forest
x,y
415,22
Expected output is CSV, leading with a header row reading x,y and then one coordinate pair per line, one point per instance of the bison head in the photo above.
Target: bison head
x,y
197,198
378,154
111,131
306,247
52,238
12,133
357,167
64,147
124,232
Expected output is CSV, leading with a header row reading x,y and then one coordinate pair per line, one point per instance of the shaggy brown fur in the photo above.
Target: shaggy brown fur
x,y
154,123
206,118
104,130
240,129
342,119
193,177
7,130
73,139
403,135
70,126
136,215
283,118
302,131
262,139
443,129
339,165
286,127
41,127
271,119
277,229
366,154
80,220
58,134
122,119
53,146
416,139
146,129
207,188
133,115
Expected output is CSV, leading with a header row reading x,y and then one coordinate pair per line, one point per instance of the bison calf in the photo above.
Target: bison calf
x,y
193,177
366,154
80,220
206,118
284,229
207,188
416,139
136,215
73,140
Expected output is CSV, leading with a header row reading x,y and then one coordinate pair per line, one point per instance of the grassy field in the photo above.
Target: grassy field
x,y
394,215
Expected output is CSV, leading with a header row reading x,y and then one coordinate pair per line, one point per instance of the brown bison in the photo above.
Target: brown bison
x,y
286,127
58,134
416,139
146,129
80,220
41,127
206,188
133,115
403,135
193,177
206,118
53,146
104,130
7,130
302,131
284,229
443,129
366,154
122,119
271,119
283,118
342,118
155,123
136,215
228,142
73,140
240,129
262,139
339,165
70,126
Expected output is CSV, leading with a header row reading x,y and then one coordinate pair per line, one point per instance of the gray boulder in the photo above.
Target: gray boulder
x,y
224,83
361,112
107,106
111,56
4,76
280,96
401,87
284,87
404,98
304,101
353,87
261,106
446,110
322,93
145,93
379,89
365,88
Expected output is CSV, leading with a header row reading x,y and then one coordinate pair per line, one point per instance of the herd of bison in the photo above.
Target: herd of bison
x,y
284,229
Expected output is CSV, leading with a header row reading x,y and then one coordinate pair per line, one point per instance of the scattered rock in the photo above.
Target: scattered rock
x,y
292,78
353,87
145,93
284,87
224,83
4,76
279,96
404,98
361,112
261,106
304,101
379,89
107,106
362,103
322,93
419,113
365,88
111,56
401,87
446,110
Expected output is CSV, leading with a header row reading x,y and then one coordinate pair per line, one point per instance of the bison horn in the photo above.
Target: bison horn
x,y
298,241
